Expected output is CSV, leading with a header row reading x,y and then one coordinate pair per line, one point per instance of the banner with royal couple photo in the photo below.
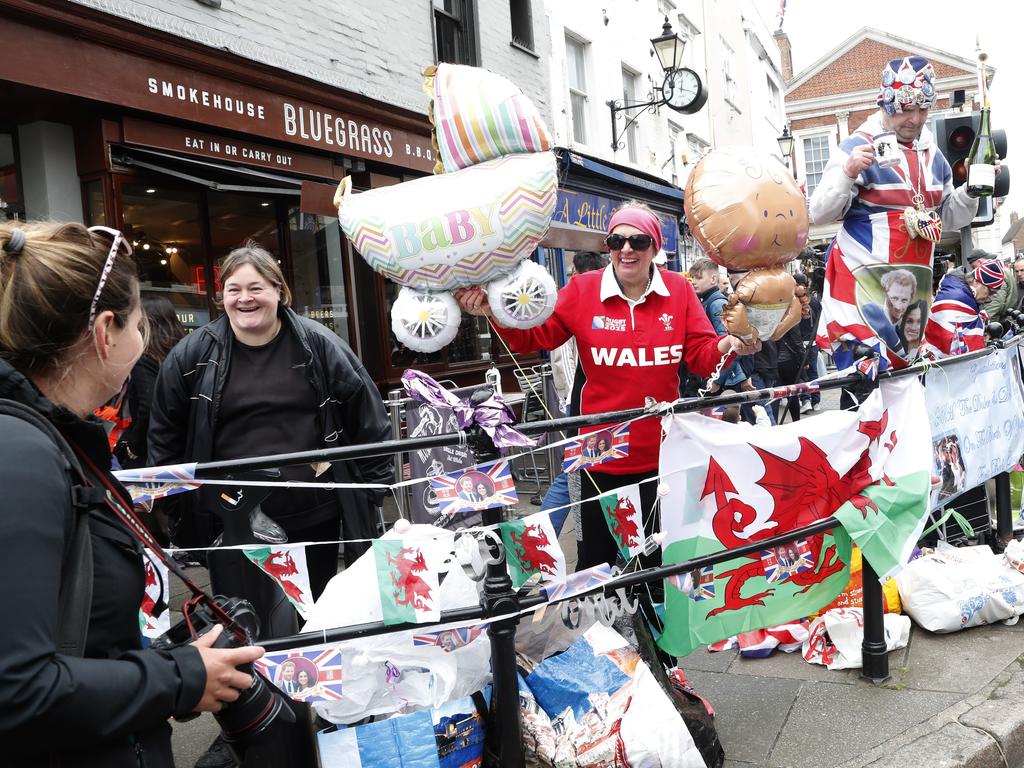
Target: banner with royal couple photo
x,y
977,422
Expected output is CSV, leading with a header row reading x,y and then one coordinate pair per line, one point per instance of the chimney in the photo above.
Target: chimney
x,y
786,52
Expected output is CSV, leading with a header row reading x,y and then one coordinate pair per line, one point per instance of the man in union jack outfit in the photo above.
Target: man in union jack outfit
x,y
956,324
892,189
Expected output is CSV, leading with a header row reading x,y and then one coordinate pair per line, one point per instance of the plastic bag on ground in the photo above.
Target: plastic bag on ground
x,y
835,637
956,588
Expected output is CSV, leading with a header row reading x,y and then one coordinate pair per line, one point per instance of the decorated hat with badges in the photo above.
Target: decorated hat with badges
x,y
907,82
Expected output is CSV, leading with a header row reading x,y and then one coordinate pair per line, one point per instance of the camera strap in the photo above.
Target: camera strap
x,y
123,511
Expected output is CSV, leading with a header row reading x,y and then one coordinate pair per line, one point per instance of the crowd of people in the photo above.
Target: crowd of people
x,y
77,338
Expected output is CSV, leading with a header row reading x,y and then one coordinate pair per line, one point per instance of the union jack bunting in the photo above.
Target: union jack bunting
x,y
868,366
705,587
450,639
786,560
579,582
306,674
150,483
596,447
470,490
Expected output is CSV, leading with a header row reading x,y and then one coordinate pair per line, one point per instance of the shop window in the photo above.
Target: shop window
x,y
522,23
236,219
317,270
455,31
163,224
11,205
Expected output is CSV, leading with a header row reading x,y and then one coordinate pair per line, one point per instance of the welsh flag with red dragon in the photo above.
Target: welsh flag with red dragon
x,y
735,484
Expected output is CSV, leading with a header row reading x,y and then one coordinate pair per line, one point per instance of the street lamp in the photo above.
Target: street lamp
x,y
682,89
786,142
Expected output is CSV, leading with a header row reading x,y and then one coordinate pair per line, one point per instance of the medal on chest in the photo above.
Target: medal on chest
x,y
921,222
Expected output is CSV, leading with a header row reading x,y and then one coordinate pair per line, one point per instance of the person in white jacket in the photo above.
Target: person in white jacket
x,y
890,215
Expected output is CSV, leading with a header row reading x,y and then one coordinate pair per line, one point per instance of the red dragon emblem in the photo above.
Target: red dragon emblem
x,y
529,548
280,570
804,490
410,589
623,527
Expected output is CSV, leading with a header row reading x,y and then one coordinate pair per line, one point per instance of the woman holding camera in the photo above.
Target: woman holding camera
x,y
76,687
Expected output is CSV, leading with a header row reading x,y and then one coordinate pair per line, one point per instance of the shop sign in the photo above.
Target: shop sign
x,y
593,212
142,133
55,62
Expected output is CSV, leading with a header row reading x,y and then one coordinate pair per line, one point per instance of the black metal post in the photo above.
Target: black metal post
x,y
504,740
876,662
966,245
1004,514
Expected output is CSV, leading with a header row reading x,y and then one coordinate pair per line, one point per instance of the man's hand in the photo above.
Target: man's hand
x,y
861,158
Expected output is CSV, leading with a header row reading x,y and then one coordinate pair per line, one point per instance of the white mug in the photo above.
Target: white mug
x,y
887,151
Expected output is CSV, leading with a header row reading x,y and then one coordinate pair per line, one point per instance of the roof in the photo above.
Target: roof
x,y
870,33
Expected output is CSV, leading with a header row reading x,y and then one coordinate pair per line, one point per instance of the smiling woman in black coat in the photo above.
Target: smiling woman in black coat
x,y
71,328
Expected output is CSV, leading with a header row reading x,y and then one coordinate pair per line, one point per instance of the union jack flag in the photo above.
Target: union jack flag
x,y
149,483
596,447
316,672
786,560
471,490
705,583
579,582
868,366
955,324
450,639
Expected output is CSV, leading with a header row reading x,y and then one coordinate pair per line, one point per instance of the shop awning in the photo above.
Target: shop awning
x,y
615,173
216,176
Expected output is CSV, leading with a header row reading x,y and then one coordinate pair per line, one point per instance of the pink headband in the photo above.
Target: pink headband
x,y
643,220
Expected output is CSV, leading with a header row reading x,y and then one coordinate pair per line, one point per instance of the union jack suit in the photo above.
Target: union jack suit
x,y
873,234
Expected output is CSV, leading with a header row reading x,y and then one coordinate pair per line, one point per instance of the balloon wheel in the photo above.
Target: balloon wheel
x,y
425,322
523,299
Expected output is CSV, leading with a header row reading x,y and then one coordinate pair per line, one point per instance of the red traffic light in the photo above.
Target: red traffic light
x,y
961,138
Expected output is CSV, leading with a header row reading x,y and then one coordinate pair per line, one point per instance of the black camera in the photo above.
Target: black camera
x,y
263,727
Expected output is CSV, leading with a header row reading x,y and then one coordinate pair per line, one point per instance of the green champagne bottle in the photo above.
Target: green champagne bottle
x,y
981,162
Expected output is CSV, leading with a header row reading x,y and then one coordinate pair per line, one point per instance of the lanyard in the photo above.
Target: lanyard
x,y
124,513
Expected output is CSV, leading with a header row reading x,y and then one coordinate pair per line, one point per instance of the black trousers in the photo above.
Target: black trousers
x,y
596,544
233,575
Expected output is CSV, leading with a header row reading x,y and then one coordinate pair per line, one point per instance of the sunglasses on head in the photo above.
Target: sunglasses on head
x,y
638,242
117,244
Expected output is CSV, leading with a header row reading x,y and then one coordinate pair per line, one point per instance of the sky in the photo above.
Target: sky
x,y
815,27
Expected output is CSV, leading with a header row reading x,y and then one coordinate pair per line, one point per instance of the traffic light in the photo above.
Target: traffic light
x,y
954,136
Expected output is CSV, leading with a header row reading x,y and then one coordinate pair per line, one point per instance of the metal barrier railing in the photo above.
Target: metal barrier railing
x,y
501,605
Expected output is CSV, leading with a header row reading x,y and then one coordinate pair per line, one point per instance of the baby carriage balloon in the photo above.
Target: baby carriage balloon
x,y
475,222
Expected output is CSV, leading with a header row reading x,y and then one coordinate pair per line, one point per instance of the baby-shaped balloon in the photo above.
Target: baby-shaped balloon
x,y
748,214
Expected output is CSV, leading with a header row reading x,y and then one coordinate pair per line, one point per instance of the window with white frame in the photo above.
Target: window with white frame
x,y
815,152
676,143
696,148
576,60
629,80
728,54
774,95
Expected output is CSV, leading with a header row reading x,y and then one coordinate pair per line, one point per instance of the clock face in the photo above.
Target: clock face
x,y
685,92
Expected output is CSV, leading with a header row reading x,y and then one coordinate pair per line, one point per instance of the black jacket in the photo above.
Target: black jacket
x,y
183,419
139,398
109,708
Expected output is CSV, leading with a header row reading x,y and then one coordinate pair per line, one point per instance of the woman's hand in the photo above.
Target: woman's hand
x,y
736,345
224,682
473,301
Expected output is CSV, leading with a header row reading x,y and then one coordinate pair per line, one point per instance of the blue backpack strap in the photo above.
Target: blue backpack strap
x,y
74,602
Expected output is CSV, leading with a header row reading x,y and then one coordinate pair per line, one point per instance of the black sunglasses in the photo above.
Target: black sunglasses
x,y
637,242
